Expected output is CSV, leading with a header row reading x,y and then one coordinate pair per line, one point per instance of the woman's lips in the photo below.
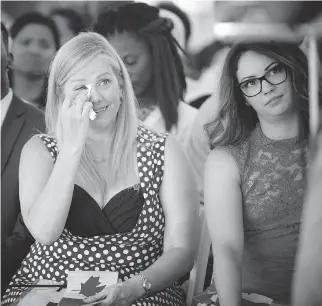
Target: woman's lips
x,y
274,99
101,109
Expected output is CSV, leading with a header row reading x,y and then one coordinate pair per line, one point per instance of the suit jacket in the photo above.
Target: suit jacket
x,y
22,121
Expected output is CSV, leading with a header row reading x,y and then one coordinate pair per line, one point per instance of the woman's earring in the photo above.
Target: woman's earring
x,y
247,104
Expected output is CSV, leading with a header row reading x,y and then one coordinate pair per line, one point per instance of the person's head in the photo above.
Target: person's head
x,y
6,57
182,25
143,40
260,82
35,39
88,58
68,22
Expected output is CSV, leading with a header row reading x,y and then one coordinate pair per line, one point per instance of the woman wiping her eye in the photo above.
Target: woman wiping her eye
x,y
106,194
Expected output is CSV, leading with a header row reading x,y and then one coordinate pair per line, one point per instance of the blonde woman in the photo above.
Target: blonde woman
x,y
104,194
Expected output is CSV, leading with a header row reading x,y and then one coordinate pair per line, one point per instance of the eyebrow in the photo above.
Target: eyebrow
x,y
78,80
254,76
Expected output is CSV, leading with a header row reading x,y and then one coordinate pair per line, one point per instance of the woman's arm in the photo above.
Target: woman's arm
x,y
223,208
46,189
179,198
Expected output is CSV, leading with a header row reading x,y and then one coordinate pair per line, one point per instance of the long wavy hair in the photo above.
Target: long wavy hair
x,y
168,72
236,120
72,57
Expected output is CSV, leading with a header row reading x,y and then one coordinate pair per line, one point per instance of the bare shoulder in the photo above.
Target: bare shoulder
x,y
35,148
220,162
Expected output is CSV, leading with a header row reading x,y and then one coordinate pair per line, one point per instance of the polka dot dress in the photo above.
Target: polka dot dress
x,y
127,253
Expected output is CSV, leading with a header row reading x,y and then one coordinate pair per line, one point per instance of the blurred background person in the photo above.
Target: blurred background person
x,y
255,173
35,39
19,121
144,41
68,22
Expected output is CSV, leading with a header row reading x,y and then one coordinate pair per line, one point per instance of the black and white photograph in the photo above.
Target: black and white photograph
x,y
161,153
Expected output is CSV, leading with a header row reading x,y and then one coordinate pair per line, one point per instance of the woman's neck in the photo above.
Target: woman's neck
x,y
28,89
285,128
99,141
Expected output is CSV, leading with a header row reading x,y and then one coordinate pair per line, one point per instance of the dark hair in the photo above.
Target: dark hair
x,y
169,6
75,20
5,36
236,120
35,18
169,78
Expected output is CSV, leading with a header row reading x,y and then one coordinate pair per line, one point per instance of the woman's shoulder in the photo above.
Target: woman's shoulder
x,y
236,154
150,140
146,134
40,145
220,162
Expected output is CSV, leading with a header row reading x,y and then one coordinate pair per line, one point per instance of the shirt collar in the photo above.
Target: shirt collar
x,y
7,99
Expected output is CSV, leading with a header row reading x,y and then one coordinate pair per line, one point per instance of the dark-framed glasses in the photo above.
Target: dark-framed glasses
x,y
274,76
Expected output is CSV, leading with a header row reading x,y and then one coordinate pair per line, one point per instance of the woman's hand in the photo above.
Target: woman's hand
x,y
121,294
74,121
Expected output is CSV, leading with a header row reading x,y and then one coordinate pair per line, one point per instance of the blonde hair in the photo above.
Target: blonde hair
x,y
71,57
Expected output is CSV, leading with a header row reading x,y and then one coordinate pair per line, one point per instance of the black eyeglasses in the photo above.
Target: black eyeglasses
x,y
275,76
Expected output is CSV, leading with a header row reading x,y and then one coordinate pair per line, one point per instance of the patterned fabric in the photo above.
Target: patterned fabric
x,y
128,253
272,184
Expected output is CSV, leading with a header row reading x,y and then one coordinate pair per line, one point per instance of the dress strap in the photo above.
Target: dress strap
x,y
51,145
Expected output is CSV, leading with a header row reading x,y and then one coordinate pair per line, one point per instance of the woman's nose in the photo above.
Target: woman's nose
x,y
33,48
93,95
267,87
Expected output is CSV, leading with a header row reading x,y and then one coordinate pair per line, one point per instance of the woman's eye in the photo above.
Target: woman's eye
x,y
249,83
80,88
130,61
276,69
105,82
25,42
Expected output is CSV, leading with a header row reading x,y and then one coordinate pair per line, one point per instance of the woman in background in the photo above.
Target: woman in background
x,y
106,194
35,40
144,41
255,173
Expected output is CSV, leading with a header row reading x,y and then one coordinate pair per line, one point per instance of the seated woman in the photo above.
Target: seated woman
x,y
255,173
147,48
104,194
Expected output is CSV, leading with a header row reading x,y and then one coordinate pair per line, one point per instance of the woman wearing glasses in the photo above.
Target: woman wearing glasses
x,y
255,173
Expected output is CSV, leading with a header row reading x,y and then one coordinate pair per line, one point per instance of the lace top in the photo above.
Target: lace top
x,y
272,183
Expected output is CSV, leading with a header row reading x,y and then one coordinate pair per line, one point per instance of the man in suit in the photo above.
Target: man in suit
x,y
19,121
